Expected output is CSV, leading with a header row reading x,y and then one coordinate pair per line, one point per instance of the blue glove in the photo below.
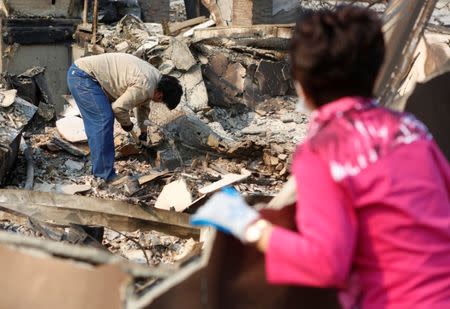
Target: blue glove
x,y
227,211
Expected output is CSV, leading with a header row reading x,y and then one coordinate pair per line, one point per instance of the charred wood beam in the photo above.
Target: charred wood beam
x,y
176,27
85,11
67,209
70,148
94,22
38,31
253,32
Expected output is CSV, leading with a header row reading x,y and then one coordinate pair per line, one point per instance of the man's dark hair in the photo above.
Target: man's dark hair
x,y
337,53
171,91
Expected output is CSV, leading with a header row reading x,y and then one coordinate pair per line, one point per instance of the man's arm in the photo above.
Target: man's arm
x,y
131,98
141,113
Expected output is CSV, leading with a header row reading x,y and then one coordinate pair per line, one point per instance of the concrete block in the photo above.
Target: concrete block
x,y
40,8
195,94
55,58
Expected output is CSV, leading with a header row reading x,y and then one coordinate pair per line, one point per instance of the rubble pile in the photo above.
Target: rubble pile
x,y
226,77
236,125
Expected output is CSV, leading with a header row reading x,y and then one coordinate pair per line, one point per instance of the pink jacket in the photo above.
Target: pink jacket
x,y
373,206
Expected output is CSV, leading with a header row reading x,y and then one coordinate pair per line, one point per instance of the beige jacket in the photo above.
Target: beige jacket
x,y
128,81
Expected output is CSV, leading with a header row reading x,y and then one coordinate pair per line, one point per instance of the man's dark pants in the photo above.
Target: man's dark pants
x,y
98,120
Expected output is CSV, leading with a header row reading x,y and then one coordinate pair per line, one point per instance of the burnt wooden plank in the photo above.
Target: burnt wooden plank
x,y
68,209
33,35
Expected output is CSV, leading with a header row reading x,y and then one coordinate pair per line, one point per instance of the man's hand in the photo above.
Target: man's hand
x,y
143,137
227,211
127,128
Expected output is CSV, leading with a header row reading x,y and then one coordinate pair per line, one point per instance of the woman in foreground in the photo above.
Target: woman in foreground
x,y
373,204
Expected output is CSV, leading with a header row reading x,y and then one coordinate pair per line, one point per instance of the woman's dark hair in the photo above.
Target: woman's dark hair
x,y
171,90
337,53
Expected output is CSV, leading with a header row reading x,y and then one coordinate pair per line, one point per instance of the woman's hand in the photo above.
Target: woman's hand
x,y
227,211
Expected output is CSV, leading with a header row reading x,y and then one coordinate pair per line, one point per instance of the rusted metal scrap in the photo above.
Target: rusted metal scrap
x,y
67,209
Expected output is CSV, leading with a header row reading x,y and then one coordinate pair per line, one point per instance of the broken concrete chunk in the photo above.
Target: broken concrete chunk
x,y
180,54
46,111
74,165
282,156
195,94
166,67
154,28
147,46
191,131
71,128
122,47
174,195
7,97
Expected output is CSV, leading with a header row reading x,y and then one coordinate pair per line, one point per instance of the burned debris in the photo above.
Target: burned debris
x,y
237,124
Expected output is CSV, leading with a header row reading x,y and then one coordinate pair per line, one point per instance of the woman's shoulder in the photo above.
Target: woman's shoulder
x,y
354,140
